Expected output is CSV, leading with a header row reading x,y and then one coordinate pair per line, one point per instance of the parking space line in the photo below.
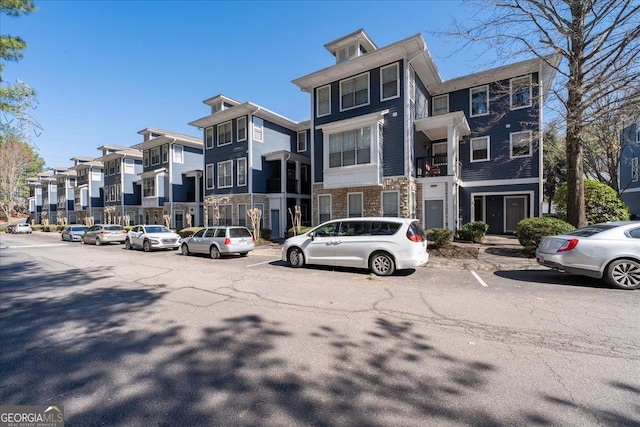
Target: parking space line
x,y
263,262
34,246
479,279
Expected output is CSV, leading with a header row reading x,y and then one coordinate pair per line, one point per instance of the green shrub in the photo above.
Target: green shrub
x,y
189,231
473,231
37,227
439,236
290,232
602,203
531,230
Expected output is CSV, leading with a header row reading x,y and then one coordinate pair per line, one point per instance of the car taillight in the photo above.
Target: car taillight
x,y
104,232
415,238
568,245
227,241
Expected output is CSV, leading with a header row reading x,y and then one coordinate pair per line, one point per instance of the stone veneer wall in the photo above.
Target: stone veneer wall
x,y
238,199
371,196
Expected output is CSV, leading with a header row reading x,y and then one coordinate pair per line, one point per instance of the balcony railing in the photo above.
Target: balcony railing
x,y
274,185
431,166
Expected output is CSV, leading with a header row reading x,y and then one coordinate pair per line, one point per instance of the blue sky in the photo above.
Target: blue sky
x,y
103,70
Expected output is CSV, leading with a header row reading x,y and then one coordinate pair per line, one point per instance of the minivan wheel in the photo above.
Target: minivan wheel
x,y
185,249
146,246
624,274
295,257
214,252
381,263
127,244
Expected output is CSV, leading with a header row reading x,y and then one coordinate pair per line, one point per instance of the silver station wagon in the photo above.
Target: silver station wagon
x,y
383,245
222,240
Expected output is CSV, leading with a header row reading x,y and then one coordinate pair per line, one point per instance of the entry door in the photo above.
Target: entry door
x,y
514,211
275,222
434,213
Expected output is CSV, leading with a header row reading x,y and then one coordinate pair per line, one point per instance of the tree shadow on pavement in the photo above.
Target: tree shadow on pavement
x,y
90,348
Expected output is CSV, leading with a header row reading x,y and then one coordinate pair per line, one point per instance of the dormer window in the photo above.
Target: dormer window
x,y
216,108
347,52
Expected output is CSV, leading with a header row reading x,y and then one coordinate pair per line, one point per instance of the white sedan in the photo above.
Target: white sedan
x,y
609,250
149,237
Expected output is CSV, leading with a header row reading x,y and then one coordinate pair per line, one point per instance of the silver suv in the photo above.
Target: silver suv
x,y
382,245
150,237
217,241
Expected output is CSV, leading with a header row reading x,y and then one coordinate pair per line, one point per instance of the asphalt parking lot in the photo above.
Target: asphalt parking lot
x,y
132,338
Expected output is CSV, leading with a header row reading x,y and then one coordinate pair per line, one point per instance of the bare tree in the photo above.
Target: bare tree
x,y
15,156
599,43
604,147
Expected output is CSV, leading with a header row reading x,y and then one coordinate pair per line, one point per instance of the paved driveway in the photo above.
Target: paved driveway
x,y
128,338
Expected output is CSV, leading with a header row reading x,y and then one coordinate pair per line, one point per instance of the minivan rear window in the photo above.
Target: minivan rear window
x,y
384,228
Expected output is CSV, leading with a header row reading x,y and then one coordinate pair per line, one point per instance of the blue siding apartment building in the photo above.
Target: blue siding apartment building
x,y
88,192
121,190
171,178
629,178
389,137
254,158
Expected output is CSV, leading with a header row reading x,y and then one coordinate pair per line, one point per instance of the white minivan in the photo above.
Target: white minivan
x,y
382,245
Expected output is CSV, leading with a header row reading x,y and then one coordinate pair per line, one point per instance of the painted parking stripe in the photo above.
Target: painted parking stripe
x,y
479,279
263,262
34,246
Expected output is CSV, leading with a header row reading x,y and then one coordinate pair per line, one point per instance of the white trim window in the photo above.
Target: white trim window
x,y
480,149
208,137
118,166
521,144
118,192
241,123
112,167
242,214
389,82
347,52
155,156
635,169
129,166
209,177
412,84
165,153
355,206
354,92
225,215
258,129
224,133
391,203
149,187
324,208
520,89
178,153
323,101
241,168
225,174
302,141
479,101
348,148
145,158
440,104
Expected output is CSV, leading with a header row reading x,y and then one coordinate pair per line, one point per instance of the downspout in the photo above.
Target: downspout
x,y
407,109
124,156
540,148
170,160
250,155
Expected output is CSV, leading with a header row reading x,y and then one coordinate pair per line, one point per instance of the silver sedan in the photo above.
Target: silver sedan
x,y
608,250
